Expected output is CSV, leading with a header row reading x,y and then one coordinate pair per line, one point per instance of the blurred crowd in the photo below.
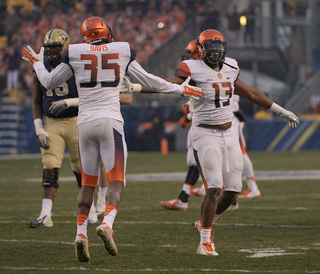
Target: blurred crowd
x,y
147,25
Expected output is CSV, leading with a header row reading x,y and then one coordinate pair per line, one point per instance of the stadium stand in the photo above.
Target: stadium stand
x,y
159,31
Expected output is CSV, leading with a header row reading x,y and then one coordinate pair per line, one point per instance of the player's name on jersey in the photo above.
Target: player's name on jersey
x,y
98,48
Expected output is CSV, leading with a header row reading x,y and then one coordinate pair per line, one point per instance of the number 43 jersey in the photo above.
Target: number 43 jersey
x,y
213,108
99,70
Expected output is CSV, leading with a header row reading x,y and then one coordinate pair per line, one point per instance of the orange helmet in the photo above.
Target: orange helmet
x,y
95,30
191,50
211,46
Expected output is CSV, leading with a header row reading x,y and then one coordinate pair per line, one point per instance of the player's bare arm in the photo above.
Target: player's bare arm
x,y
257,97
252,94
36,98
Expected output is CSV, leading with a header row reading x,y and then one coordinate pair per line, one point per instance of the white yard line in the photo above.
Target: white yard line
x,y
180,176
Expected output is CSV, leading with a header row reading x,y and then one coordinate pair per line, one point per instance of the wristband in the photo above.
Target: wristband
x,y
72,102
276,108
38,125
136,88
189,116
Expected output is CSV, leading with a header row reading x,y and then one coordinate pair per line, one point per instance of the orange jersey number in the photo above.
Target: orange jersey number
x,y
93,67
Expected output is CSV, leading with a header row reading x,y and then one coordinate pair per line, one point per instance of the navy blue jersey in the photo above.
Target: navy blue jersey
x,y
64,91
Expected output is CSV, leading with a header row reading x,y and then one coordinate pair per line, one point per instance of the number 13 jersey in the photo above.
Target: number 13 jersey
x,y
99,71
213,108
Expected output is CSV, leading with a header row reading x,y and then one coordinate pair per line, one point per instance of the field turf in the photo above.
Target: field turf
x,y
278,233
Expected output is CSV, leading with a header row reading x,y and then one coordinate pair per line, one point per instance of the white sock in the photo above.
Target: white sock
x,y
109,215
46,207
92,208
82,225
251,182
205,234
187,188
102,195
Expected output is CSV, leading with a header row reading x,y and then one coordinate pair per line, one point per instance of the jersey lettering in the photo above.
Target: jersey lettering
x,y
98,48
93,67
61,90
226,86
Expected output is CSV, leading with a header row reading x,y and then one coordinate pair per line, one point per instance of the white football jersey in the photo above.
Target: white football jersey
x,y
99,71
213,108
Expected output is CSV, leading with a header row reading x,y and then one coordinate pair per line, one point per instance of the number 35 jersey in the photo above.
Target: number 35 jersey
x,y
99,70
213,108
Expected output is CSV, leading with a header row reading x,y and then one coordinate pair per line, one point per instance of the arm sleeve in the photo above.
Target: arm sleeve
x,y
54,78
151,81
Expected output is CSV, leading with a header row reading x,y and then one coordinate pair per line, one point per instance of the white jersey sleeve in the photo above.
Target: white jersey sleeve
x,y
55,78
151,81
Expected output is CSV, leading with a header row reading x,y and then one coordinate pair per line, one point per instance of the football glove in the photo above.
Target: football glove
x,y
30,56
128,87
282,112
58,106
186,109
42,135
191,91
184,122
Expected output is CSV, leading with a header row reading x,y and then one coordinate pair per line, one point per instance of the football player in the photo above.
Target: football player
x,y
99,66
238,123
55,131
181,202
216,148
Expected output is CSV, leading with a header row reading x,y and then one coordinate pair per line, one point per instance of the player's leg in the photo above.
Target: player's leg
x,y
208,147
51,160
102,191
113,151
181,202
90,162
253,190
232,172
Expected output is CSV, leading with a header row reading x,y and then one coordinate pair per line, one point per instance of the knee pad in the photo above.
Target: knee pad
x,y
50,177
78,177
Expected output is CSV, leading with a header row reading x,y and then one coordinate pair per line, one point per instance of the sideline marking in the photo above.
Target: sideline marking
x,y
178,176
268,252
179,223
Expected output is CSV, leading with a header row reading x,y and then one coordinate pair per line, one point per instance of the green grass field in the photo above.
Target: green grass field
x,y
278,233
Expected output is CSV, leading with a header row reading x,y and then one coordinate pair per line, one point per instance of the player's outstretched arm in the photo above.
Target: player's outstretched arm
x,y
150,82
58,106
48,79
257,97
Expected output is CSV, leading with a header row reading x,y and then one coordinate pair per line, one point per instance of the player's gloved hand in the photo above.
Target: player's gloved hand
x,y
128,87
184,122
42,135
57,107
191,91
186,109
290,116
282,112
30,56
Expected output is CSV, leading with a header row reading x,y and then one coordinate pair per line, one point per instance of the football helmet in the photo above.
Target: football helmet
x,y
211,46
95,29
54,42
192,52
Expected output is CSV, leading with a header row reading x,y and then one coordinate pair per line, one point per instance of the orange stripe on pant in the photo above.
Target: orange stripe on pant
x,y
243,148
199,168
117,172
